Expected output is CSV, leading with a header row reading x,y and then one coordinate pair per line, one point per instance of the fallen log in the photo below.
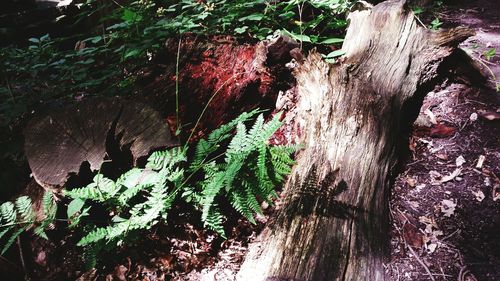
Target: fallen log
x,y
354,118
218,72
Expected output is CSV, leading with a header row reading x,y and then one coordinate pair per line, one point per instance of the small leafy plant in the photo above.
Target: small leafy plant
x,y
243,171
490,53
435,24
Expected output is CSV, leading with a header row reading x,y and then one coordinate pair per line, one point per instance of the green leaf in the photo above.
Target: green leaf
x,y
130,16
490,53
418,10
252,17
75,206
435,24
11,240
332,41
132,53
334,54
240,30
299,37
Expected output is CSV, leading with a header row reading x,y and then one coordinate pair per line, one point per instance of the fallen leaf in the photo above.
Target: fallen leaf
x,y
435,177
473,117
411,182
419,187
432,247
490,115
442,156
414,204
451,176
479,195
480,161
487,181
442,131
496,192
426,220
448,207
437,233
460,161
413,236
430,223
432,117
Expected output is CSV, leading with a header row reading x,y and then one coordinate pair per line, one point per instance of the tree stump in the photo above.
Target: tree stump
x,y
354,118
58,144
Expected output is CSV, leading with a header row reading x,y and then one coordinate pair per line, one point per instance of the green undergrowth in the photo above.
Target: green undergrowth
x,y
234,163
124,37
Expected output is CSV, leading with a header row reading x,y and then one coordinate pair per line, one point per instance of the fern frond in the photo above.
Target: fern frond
x,y
146,179
239,144
25,209
12,239
165,159
205,147
281,161
238,200
256,130
8,213
100,190
49,205
5,230
214,221
269,128
211,188
95,235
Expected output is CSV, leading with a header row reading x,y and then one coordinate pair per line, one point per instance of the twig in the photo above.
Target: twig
x,y
449,236
10,90
418,19
413,163
177,121
21,257
421,262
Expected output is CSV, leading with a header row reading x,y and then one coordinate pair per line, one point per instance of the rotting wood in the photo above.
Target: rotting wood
x,y
354,120
239,76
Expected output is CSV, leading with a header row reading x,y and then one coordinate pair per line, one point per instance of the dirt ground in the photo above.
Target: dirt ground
x,y
445,206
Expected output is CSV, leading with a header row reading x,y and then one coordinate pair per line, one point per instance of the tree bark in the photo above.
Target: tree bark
x,y
354,118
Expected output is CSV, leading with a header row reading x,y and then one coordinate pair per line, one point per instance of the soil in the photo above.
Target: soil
x,y
446,227
445,204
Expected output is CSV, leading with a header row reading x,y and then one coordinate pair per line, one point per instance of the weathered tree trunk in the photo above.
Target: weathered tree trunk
x,y
353,118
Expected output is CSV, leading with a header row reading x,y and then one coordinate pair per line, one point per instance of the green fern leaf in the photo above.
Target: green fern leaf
x,y
25,209
12,239
205,147
214,221
239,203
8,213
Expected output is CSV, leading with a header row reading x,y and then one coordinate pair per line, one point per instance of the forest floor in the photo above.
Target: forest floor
x,y
445,204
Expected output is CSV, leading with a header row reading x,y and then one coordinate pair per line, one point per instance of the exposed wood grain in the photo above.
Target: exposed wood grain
x,y
57,144
354,118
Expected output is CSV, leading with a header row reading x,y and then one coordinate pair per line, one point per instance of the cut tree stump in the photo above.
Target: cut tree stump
x,y
354,119
58,144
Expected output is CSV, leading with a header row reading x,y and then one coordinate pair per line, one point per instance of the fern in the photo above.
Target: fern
x,y
251,170
206,147
19,216
214,221
142,197
162,172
